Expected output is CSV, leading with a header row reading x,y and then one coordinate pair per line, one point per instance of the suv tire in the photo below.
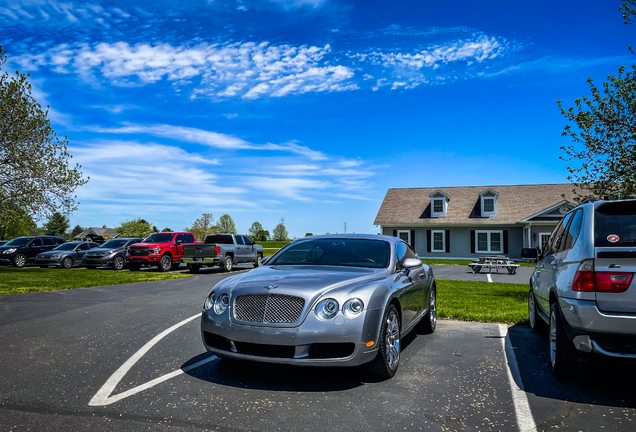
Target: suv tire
x,y
537,324
565,360
119,262
20,260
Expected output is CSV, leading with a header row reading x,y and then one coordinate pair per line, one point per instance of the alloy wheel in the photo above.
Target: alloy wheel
x,y
553,338
532,310
67,263
392,340
20,260
433,309
228,264
166,263
119,263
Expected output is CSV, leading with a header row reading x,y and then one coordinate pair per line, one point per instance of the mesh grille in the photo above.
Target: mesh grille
x,y
268,308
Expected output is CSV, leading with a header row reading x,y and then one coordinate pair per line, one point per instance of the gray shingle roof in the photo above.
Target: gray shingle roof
x,y
412,205
98,231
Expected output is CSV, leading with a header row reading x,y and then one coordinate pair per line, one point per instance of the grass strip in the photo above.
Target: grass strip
x,y
482,301
464,262
30,279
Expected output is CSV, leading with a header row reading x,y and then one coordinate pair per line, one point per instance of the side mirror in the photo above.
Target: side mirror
x,y
178,242
411,263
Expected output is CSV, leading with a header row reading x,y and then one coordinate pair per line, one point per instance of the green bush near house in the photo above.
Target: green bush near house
x,y
482,301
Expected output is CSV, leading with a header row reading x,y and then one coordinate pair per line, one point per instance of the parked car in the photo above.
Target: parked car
x,y
324,301
582,289
222,250
22,250
66,255
112,253
2,242
163,250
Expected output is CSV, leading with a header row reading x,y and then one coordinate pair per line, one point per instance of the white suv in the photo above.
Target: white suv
x,y
582,289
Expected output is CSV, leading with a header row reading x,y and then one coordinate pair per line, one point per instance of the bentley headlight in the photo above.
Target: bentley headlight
x,y
10,251
221,304
327,309
209,302
352,308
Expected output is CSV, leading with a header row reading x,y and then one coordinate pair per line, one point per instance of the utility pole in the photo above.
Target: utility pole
x,y
345,227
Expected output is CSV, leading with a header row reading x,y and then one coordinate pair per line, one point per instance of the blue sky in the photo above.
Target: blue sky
x,y
307,110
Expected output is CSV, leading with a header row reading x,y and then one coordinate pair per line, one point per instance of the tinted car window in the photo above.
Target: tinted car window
x,y
66,246
36,242
84,246
49,241
219,239
335,252
400,251
410,253
239,240
59,240
113,244
188,238
615,219
246,240
20,241
573,230
555,238
159,238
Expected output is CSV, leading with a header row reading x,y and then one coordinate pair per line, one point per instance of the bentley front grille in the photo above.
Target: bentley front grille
x,y
268,308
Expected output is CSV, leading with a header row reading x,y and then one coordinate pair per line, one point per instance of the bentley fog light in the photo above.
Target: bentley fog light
x,y
209,302
221,303
327,309
352,308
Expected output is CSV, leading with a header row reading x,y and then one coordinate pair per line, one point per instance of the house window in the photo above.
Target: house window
x,y
543,240
439,241
489,241
489,205
404,235
438,205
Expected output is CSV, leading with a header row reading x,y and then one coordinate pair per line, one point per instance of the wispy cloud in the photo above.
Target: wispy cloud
x,y
209,138
294,188
55,13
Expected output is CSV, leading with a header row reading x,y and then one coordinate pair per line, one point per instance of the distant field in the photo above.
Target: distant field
x,y
272,244
30,279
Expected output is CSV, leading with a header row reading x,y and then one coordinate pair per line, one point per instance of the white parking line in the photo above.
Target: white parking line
x,y
489,277
103,395
525,421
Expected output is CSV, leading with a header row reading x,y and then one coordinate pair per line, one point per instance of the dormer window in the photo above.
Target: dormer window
x,y
439,204
489,203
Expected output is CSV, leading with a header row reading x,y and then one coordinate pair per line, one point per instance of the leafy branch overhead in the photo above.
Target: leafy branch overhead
x,y
35,170
603,129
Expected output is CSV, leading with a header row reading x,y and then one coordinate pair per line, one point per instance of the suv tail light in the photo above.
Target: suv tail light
x,y
586,279
217,250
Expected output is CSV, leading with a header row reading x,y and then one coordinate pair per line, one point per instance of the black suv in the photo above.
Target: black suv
x,y
21,250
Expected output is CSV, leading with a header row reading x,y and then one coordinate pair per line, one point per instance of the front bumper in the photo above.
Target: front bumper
x,y
145,259
97,261
48,261
592,330
7,258
313,343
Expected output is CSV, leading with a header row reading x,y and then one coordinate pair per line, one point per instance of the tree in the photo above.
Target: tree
x,y
16,222
605,126
57,224
134,228
77,230
280,232
226,225
35,171
203,226
257,233
309,234
166,230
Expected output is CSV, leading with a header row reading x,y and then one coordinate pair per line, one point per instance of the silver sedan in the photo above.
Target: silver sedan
x,y
342,300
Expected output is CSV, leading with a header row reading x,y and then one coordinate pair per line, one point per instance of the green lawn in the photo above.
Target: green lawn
x,y
482,301
25,280
464,262
272,244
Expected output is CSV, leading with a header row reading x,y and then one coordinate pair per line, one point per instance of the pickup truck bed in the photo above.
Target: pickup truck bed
x,y
222,250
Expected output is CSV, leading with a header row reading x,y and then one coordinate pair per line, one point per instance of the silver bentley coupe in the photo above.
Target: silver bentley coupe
x,y
332,300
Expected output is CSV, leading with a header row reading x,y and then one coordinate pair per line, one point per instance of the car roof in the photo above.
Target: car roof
x,y
390,239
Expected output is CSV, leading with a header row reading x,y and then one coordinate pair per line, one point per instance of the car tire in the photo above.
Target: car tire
x,y
565,360
259,258
165,263
19,260
428,323
537,324
194,269
67,262
134,267
387,361
119,263
228,264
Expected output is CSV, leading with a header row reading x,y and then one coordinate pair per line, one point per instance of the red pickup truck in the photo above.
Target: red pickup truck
x,y
163,250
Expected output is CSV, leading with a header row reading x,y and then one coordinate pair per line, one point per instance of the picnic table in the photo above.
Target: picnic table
x,y
494,261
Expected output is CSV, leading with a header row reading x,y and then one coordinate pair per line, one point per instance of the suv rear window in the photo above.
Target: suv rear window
x,y
219,239
615,219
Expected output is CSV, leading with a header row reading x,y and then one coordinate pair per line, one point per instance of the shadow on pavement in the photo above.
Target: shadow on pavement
x,y
608,381
263,376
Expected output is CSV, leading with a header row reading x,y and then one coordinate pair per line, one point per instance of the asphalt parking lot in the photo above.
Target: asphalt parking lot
x,y
61,351
460,272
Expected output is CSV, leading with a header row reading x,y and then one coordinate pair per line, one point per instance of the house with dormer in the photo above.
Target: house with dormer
x,y
472,221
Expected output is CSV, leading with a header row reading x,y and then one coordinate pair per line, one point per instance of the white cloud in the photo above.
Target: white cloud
x,y
296,4
209,138
295,188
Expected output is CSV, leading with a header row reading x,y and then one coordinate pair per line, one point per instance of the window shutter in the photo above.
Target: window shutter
x,y
413,239
447,237
394,233
428,240
472,241
505,240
